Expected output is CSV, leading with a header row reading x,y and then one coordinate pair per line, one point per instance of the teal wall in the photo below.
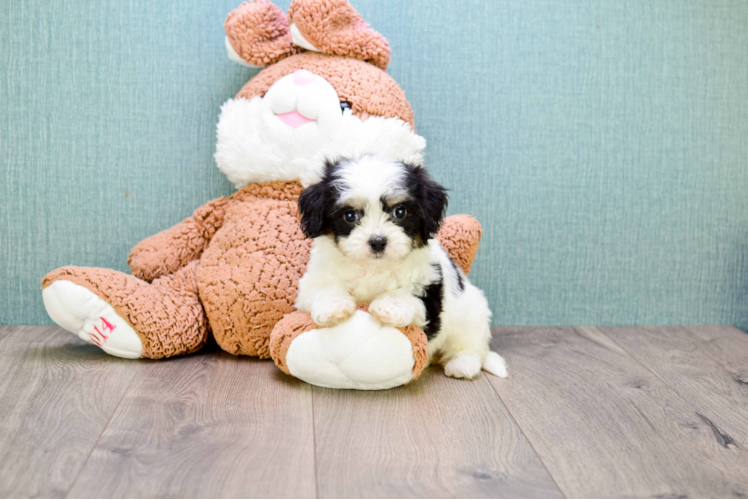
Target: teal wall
x,y
602,144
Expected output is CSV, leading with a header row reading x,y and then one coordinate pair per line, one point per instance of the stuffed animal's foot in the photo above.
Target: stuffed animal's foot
x,y
357,354
494,364
463,366
80,311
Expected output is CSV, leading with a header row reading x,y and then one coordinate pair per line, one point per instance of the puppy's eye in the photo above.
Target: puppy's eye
x,y
399,212
350,216
345,105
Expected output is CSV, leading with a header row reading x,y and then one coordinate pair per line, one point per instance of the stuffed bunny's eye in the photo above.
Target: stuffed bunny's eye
x,y
345,105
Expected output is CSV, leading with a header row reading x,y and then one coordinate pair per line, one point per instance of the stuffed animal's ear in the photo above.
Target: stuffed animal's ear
x,y
312,207
432,200
257,34
333,27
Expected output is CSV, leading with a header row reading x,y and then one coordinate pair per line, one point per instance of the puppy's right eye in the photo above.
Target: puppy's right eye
x,y
351,216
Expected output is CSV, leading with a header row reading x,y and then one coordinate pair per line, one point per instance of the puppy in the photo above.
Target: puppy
x,y
373,222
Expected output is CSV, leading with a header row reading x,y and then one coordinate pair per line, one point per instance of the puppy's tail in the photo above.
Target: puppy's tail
x,y
495,364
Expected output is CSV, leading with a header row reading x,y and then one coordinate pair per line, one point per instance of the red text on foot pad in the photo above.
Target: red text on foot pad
x,y
98,337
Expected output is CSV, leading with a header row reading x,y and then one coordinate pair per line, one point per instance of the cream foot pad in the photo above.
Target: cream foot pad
x,y
82,312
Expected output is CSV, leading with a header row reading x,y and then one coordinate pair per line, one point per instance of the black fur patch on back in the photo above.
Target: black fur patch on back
x,y
432,298
460,284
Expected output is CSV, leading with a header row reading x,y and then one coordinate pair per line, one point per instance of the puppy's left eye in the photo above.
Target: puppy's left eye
x,y
399,212
350,216
345,105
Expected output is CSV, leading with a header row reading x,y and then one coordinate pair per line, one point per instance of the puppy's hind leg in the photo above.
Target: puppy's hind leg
x,y
466,347
494,364
468,365
463,365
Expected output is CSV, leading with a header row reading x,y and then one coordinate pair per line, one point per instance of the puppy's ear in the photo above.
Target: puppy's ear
x,y
432,199
313,207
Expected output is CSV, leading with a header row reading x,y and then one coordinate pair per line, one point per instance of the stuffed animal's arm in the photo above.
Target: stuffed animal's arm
x,y
460,237
172,249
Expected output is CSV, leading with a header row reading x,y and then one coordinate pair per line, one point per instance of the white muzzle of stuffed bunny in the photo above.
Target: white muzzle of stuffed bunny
x,y
299,112
287,134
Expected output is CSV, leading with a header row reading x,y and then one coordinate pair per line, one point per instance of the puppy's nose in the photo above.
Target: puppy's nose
x,y
377,243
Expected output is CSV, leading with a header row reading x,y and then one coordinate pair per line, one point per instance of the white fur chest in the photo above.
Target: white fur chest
x,y
329,271
367,282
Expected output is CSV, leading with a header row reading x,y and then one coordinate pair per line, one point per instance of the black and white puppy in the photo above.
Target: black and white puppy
x,y
373,222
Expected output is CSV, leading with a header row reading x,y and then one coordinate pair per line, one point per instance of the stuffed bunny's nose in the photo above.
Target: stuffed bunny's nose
x,y
303,77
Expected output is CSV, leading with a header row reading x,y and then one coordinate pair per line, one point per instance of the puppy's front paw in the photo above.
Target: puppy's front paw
x,y
463,366
332,312
392,312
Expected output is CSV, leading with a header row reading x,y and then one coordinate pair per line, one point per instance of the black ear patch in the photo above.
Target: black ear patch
x,y
316,202
312,209
431,199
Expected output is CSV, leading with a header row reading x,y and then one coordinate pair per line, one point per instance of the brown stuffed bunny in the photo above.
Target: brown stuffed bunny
x,y
232,268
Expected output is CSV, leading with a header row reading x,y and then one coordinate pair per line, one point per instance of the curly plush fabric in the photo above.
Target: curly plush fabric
x,y
297,323
170,250
420,348
460,236
166,314
335,28
369,90
258,31
249,273
284,332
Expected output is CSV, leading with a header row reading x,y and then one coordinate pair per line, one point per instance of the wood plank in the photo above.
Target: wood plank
x,y
207,425
6,331
726,344
604,425
56,396
436,437
711,374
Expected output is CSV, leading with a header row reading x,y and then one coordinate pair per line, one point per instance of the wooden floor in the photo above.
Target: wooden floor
x,y
587,412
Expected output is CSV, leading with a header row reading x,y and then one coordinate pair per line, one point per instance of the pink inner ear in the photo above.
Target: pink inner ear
x,y
334,27
294,119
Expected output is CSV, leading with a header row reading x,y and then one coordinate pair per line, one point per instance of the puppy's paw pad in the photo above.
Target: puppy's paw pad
x,y
333,312
391,312
463,366
495,364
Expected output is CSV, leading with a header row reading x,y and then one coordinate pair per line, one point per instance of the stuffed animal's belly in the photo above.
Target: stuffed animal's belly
x,y
249,274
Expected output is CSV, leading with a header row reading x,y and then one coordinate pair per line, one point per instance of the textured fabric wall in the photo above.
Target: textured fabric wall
x,y
603,145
